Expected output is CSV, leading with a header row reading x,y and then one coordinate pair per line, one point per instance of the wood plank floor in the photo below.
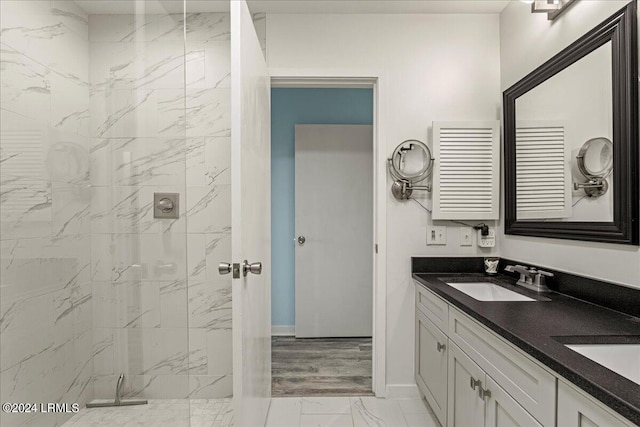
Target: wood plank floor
x,y
321,366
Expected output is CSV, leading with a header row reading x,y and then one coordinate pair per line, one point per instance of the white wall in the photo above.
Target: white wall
x,y
527,40
436,67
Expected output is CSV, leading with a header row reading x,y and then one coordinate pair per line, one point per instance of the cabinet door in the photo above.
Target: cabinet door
x,y
465,406
431,365
575,409
503,410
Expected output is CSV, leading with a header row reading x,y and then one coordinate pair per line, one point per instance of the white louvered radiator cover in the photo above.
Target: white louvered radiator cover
x,y
543,177
467,170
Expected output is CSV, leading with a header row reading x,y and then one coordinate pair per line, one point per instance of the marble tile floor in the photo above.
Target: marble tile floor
x,y
363,411
342,411
159,413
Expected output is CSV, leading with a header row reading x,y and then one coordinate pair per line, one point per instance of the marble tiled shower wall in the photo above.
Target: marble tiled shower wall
x,y
162,314
46,332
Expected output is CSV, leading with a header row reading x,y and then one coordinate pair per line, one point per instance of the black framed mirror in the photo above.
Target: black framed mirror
x,y
588,90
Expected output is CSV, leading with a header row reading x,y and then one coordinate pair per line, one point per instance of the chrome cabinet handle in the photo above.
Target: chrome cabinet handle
x,y
441,347
253,268
484,393
301,240
475,383
224,268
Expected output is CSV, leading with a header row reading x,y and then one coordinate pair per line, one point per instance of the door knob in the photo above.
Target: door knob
x,y
253,268
224,268
301,240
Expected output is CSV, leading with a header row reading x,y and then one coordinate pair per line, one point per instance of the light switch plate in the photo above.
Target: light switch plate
x,y
436,235
487,241
466,236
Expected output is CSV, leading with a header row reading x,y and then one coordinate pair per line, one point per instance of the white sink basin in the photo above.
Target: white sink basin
x,y
484,291
623,359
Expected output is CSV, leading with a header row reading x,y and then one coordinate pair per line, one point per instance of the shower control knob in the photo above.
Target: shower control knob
x,y
224,268
165,205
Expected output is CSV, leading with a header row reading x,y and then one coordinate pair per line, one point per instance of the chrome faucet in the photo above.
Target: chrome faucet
x,y
530,278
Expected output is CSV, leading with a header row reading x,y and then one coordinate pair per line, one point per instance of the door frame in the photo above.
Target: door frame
x,y
367,78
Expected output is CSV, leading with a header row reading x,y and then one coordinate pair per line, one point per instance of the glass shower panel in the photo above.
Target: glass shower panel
x,y
92,285
138,148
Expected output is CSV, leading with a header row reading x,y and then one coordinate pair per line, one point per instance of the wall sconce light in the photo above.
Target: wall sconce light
x,y
553,8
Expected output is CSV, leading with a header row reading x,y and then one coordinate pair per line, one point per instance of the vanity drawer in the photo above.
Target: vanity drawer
x,y
432,306
527,382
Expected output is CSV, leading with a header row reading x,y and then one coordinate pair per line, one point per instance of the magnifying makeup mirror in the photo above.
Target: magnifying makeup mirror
x,y
595,162
410,163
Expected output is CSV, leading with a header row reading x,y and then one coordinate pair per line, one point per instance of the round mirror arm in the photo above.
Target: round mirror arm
x,y
402,189
594,187
420,187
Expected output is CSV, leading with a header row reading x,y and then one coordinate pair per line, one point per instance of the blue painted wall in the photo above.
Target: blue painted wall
x,y
291,106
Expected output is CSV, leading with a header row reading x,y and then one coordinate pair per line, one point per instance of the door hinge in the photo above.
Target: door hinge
x,y
376,248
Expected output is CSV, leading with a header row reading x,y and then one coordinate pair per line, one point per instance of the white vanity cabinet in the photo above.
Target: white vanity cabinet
x,y
576,409
456,359
470,376
477,400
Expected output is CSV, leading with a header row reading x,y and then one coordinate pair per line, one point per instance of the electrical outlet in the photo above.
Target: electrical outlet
x,y
488,241
466,236
436,235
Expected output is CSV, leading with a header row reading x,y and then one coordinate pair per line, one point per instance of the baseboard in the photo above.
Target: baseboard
x,y
282,331
395,391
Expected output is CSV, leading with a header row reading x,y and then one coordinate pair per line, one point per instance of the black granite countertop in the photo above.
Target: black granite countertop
x,y
540,329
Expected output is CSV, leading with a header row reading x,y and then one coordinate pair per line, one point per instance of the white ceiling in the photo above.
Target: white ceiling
x,y
296,6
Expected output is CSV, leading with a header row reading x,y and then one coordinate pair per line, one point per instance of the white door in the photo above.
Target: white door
x,y
251,220
334,230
